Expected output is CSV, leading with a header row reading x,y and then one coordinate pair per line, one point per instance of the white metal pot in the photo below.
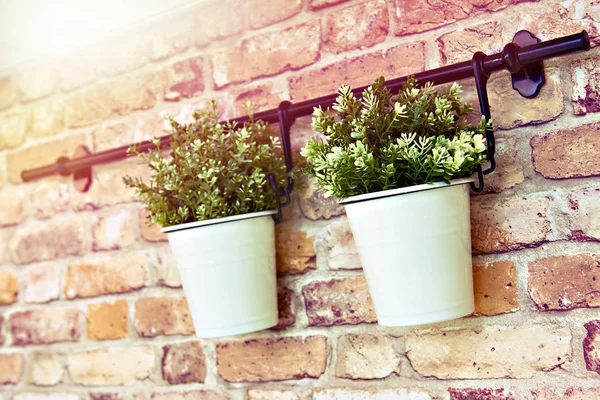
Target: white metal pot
x,y
227,268
415,247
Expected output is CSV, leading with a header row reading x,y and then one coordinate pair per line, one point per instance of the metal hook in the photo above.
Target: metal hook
x,y
285,123
479,187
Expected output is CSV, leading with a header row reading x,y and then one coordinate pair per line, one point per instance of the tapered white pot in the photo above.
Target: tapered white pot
x,y
415,247
227,268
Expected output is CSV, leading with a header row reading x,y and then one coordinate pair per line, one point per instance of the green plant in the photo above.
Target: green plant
x,y
380,142
213,170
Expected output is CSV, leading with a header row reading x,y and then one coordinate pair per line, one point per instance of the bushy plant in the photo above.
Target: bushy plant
x,y
212,170
382,142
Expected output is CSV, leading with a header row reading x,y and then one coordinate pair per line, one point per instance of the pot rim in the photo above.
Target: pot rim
x,y
214,221
404,190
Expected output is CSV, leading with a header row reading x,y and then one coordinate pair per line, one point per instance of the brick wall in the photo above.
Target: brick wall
x,y
91,304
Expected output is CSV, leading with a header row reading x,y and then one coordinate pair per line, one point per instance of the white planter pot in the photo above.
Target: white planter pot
x,y
227,268
415,247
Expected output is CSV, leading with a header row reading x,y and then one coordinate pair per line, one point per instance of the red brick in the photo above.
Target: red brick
x,y
107,321
586,89
113,231
359,71
9,288
42,283
45,326
585,224
185,78
495,287
591,346
12,368
275,359
573,393
459,45
295,251
8,92
338,302
48,241
37,81
267,54
183,363
511,224
479,394
50,197
13,128
218,20
262,97
115,274
316,4
40,154
262,13
568,153
12,211
47,117
509,169
163,316
565,282
287,317
358,26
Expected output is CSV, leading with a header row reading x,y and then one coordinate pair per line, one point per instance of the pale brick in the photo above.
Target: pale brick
x,y
111,366
313,203
591,346
371,394
116,274
112,135
573,393
565,282
44,369
152,232
183,363
171,37
366,356
489,352
479,394
258,394
218,20
586,86
262,13
262,97
42,283
45,326
13,129
49,197
268,54
357,26
585,214
107,321
12,368
1,330
192,395
37,81
167,273
338,301
121,54
460,45
509,169
341,248
163,316
359,71
495,287
47,118
132,93
86,107
40,154
508,225
287,317
295,251
8,92
567,153
113,231
9,288
12,211
78,69
45,396
276,359
185,78
316,4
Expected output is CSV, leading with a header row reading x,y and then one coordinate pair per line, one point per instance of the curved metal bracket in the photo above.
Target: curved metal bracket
x,y
285,124
526,79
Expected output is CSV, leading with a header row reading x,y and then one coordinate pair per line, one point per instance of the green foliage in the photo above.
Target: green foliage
x,y
213,170
380,142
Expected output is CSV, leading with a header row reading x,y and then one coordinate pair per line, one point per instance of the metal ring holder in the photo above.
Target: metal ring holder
x,y
285,124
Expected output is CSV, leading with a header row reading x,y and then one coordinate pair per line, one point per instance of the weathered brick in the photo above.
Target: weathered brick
x,y
359,71
45,396
357,26
268,54
565,282
44,369
185,78
295,251
338,301
113,231
116,274
371,394
591,346
45,326
508,225
573,393
111,366
488,352
132,93
112,135
459,45
40,154
13,129
12,211
509,169
585,224
313,203
8,92
567,153
287,317
192,395
37,81
170,37
183,363
163,316
122,54
422,15
495,287
262,13
258,394
48,241
479,394
107,321
12,368
86,107
167,273
586,87
219,20
273,359
262,97
42,283
316,4
47,117
49,197
152,232
1,331
363,356
341,248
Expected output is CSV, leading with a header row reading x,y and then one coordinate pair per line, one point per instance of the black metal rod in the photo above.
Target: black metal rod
x,y
494,62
